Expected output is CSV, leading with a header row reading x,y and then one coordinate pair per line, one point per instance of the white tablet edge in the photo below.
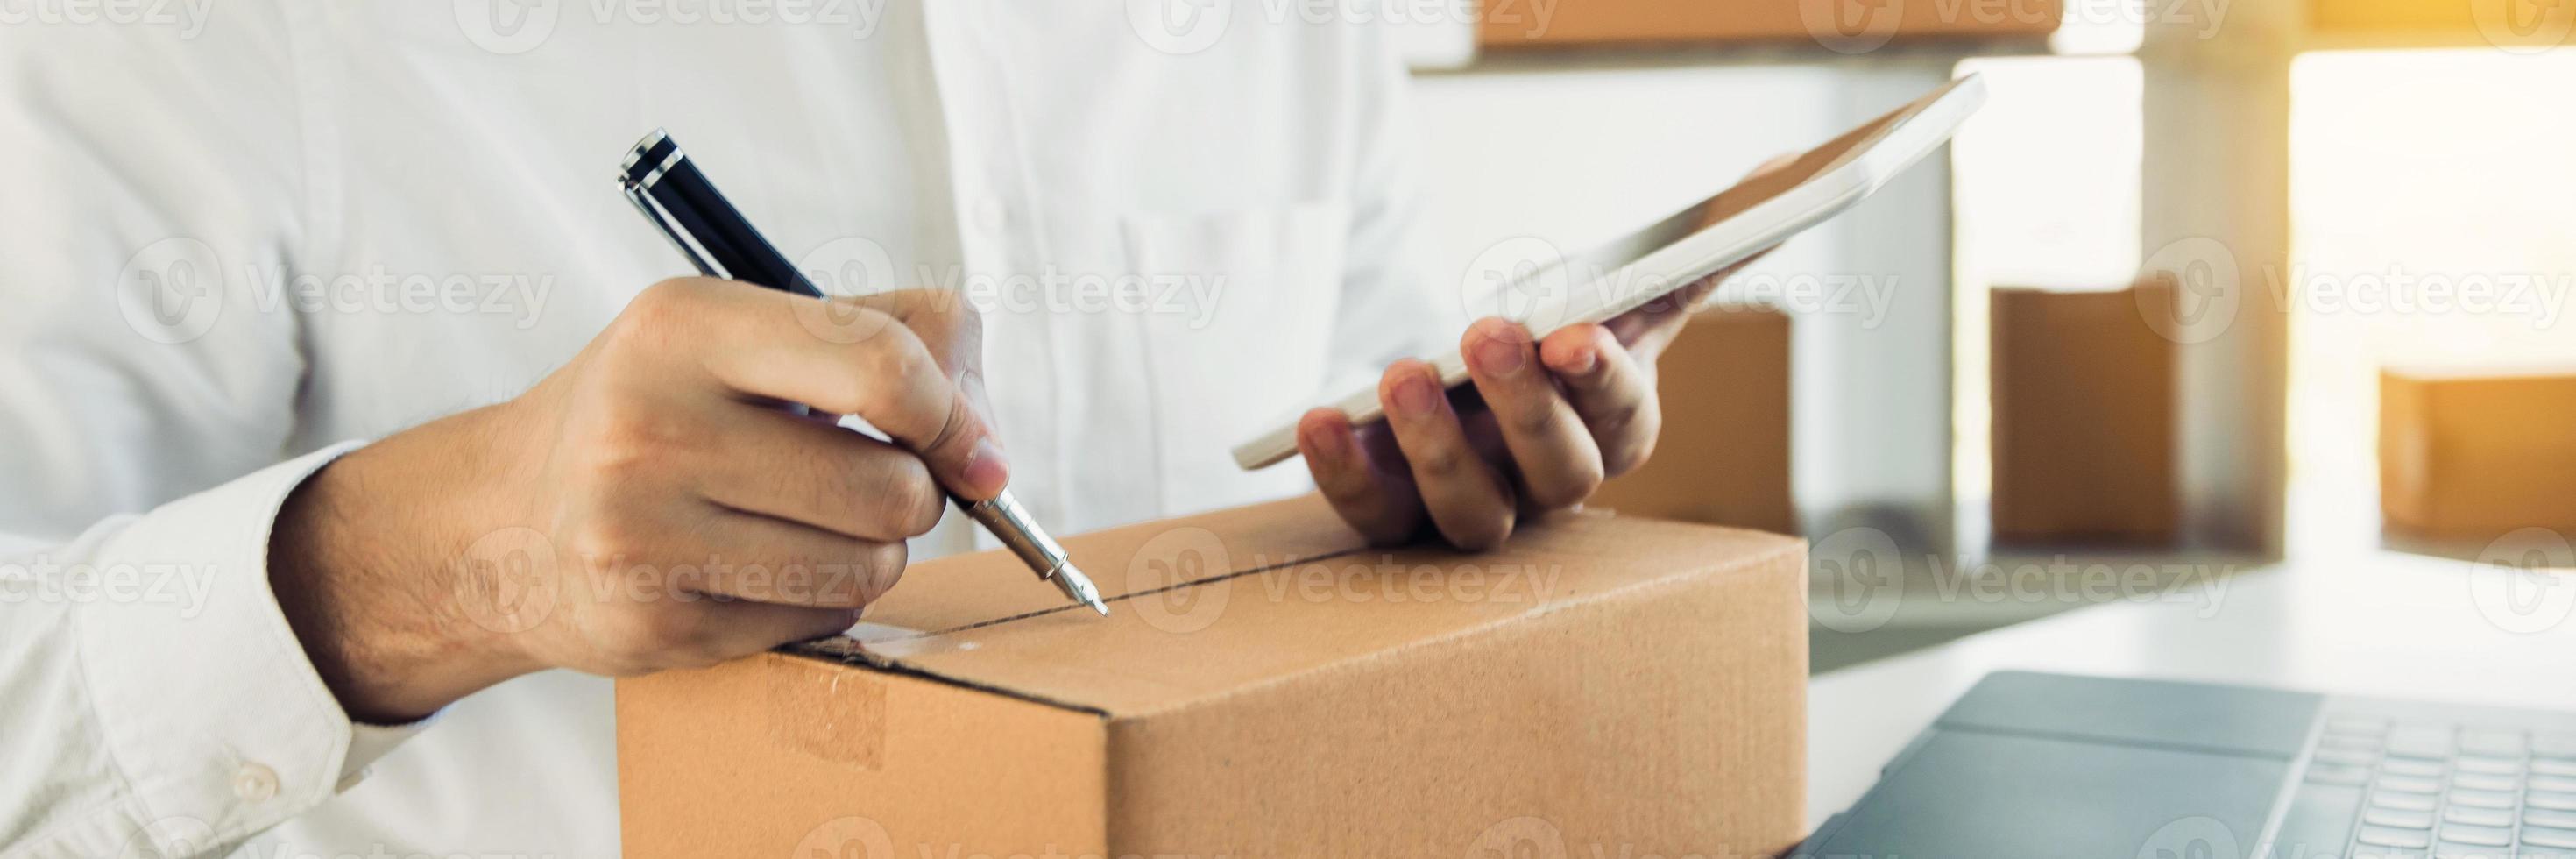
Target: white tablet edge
x,y
1700,254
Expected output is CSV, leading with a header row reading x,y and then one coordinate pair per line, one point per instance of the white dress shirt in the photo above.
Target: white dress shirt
x,y
238,243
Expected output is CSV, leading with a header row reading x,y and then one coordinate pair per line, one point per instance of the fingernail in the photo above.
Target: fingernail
x,y
1585,359
1325,446
987,470
1414,395
1500,357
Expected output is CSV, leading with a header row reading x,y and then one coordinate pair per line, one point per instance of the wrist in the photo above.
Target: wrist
x,y
367,560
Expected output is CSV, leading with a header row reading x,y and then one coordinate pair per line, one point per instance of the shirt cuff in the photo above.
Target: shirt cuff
x,y
369,742
211,710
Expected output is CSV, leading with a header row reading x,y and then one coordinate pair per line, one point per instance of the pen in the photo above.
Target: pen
x,y
673,194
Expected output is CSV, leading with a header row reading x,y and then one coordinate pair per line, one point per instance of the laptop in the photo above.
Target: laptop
x,y
2048,765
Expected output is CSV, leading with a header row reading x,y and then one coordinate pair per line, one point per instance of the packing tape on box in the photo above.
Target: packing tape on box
x,y
834,715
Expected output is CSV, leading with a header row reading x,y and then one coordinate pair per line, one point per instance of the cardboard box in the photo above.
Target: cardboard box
x,y
2083,416
1266,686
2474,456
1842,25
1723,458
2445,23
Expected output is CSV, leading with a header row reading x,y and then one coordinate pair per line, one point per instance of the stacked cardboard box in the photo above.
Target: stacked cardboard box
x,y
1266,686
1723,458
2083,416
1840,24
2474,456
2525,26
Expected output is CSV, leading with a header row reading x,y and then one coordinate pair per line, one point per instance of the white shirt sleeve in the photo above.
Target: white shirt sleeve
x,y
157,701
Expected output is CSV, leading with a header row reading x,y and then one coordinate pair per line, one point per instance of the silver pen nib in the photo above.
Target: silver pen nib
x,y
1019,533
1078,587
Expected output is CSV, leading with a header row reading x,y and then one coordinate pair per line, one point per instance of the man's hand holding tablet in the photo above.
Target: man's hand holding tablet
x,y
1564,398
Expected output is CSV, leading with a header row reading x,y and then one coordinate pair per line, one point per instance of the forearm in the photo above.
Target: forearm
x,y
378,567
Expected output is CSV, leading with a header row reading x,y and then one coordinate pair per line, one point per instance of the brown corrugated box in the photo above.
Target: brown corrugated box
x,y
1266,686
1723,458
2083,416
1843,24
2535,24
2475,455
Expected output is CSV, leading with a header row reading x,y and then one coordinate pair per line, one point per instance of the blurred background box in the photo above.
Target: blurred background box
x,y
2519,25
2083,393
1724,455
1859,26
2474,455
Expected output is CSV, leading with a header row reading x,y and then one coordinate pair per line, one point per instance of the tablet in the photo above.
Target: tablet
x,y
1545,291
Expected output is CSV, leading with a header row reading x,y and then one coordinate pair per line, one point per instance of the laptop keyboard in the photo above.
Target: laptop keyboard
x,y
2444,790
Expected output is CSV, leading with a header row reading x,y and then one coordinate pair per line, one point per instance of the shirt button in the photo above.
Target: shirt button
x,y
254,783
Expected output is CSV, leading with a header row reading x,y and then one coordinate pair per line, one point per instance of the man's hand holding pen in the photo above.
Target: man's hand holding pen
x,y
647,505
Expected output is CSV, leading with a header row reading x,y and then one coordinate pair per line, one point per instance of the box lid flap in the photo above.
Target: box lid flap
x,y
1207,605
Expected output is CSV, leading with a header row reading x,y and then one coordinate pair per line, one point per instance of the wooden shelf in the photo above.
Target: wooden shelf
x,y
2515,25
1827,24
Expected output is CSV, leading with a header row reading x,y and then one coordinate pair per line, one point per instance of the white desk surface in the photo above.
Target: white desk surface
x,y
2377,623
